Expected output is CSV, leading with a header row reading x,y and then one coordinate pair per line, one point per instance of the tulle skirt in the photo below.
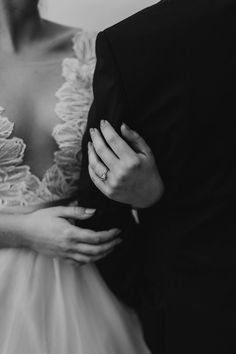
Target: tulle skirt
x,y
50,307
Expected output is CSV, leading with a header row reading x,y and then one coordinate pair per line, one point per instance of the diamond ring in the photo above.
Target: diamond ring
x,y
103,177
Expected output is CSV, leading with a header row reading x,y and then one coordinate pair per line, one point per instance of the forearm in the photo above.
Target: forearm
x,y
109,103
11,231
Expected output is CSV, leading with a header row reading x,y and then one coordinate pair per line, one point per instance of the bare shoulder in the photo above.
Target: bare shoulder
x,y
58,38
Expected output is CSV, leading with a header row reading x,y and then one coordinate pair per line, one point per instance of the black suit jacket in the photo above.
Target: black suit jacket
x,y
170,72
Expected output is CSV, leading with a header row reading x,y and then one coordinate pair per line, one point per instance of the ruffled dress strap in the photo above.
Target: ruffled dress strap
x,y
75,98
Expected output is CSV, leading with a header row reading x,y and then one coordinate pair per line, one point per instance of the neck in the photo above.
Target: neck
x,y
19,23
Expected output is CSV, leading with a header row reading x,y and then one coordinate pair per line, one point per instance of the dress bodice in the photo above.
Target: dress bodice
x,y
18,185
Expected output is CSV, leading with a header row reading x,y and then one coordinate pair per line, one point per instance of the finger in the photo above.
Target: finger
x,y
103,151
95,250
136,141
95,163
78,235
72,212
116,143
72,262
77,260
99,183
81,260
102,256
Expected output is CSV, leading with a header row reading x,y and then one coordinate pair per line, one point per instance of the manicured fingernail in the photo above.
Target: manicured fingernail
x,y
89,211
92,131
103,123
125,126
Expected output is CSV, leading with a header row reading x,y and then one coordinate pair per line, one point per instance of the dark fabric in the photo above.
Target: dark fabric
x,y
170,73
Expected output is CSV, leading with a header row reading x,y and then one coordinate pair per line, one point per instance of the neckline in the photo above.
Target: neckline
x,y
21,140
23,61
74,98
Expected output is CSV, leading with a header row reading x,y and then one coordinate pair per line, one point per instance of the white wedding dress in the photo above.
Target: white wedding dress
x,y
46,305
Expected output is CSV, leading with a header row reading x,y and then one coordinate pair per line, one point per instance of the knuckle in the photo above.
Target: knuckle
x,y
67,248
111,139
130,165
95,251
92,251
120,176
83,249
114,184
77,258
83,236
75,211
98,239
136,162
100,149
99,170
68,233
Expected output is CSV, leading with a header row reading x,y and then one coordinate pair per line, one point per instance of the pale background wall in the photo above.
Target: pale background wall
x,y
91,14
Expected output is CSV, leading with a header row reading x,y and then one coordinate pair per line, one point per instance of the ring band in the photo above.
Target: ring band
x,y
103,177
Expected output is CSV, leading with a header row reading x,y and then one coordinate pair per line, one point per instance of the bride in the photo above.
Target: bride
x,y
47,304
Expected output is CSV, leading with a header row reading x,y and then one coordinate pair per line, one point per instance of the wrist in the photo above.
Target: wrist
x,y
154,194
26,232
12,231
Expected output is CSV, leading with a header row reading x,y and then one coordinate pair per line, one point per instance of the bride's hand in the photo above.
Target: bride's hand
x,y
48,231
124,172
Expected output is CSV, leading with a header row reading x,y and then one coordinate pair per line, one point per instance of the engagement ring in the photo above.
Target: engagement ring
x,y
103,177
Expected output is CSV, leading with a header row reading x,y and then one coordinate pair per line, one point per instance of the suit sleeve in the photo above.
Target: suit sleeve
x,y
110,104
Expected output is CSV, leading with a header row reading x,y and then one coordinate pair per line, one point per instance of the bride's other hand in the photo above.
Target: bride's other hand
x,y
49,232
124,169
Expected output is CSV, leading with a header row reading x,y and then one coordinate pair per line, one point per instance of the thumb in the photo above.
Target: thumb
x,y
72,212
135,140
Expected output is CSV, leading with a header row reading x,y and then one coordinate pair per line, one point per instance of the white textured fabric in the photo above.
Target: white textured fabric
x,y
46,305
50,307
18,186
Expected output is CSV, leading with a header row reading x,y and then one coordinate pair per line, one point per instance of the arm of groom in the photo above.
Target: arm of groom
x,y
109,103
133,177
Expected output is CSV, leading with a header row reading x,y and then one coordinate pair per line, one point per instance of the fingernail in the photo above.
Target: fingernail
x,y
103,123
92,131
89,211
125,126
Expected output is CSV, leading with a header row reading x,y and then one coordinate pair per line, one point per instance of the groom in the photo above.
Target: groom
x,y
169,72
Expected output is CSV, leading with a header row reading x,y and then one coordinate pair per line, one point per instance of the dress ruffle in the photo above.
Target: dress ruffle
x,y
17,185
